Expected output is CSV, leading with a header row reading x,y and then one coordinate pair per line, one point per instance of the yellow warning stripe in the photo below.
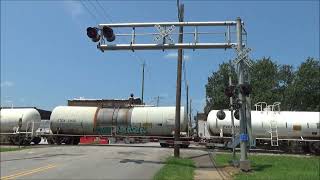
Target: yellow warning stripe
x,y
28,172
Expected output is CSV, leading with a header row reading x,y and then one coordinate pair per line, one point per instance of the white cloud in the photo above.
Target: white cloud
x,y
7,84
74,8
174,55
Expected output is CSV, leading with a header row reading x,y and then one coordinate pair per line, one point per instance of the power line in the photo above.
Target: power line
x,y
108,17
88,10
95,8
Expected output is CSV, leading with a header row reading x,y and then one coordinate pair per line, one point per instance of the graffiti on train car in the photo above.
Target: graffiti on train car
x,y
131,130
104,130
122,130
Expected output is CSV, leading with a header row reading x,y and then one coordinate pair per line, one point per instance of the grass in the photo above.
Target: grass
x,y
176,169
6,149
276,167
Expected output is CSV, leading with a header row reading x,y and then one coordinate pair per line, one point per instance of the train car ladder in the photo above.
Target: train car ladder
x,y
274,138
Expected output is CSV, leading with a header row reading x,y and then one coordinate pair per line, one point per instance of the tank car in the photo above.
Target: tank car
x,y
302,127
68,123
19,125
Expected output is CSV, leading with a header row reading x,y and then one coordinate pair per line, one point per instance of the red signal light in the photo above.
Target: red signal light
x,y
92,33
245,89
229,91
108,33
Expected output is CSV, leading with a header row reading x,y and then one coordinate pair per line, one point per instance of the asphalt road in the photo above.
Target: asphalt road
x,y
87,162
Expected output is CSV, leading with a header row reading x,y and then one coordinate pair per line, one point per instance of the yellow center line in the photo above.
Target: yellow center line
x,y
24,173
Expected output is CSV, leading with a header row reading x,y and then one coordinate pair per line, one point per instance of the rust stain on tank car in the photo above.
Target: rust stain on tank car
x,y
296,127
95,118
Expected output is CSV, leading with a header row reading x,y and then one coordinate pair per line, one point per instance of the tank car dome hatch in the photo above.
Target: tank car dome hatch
x,y
221,115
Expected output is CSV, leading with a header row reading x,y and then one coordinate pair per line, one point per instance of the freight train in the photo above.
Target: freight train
x,y
279,129
69,123
282,129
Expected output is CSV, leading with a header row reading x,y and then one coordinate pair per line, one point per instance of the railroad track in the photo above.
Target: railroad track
x,y
156,145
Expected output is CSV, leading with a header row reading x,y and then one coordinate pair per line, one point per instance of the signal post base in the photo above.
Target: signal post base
x,y
245,165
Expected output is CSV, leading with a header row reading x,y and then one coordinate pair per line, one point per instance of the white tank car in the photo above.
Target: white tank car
x,y
151,121
26,121
9,119
290,125
158,120
73,120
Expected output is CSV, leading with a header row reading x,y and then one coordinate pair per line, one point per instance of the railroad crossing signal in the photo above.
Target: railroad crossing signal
x,y
164,33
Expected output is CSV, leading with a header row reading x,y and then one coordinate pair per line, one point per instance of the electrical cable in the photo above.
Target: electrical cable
x,y
88,10
95,8
108,17
104,11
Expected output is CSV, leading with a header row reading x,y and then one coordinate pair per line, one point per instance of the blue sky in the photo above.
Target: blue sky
x,y
46,57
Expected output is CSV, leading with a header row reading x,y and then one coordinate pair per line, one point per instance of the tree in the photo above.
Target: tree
x,y
264,81
215,87
296,90
306,86
286,76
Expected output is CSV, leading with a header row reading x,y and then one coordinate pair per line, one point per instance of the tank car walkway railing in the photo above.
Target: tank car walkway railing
x,y
259,106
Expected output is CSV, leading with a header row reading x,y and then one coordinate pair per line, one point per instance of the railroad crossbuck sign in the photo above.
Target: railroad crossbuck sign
x,y
242,55
164,33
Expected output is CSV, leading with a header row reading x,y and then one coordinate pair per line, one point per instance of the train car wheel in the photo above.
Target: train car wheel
x,y
50,141
36,140
12,141
76,141
58,140
18,141
26,142
314,147
164,145
184,145
68,141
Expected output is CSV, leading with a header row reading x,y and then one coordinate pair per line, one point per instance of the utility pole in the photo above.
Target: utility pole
x,y
178,90
244,162
232,121
190,114
187,94
142,84
158,99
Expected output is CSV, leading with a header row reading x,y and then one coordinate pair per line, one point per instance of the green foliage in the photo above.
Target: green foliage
x,y
217,83
176,168
306,86
276,167
296,90
264,81
5,149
